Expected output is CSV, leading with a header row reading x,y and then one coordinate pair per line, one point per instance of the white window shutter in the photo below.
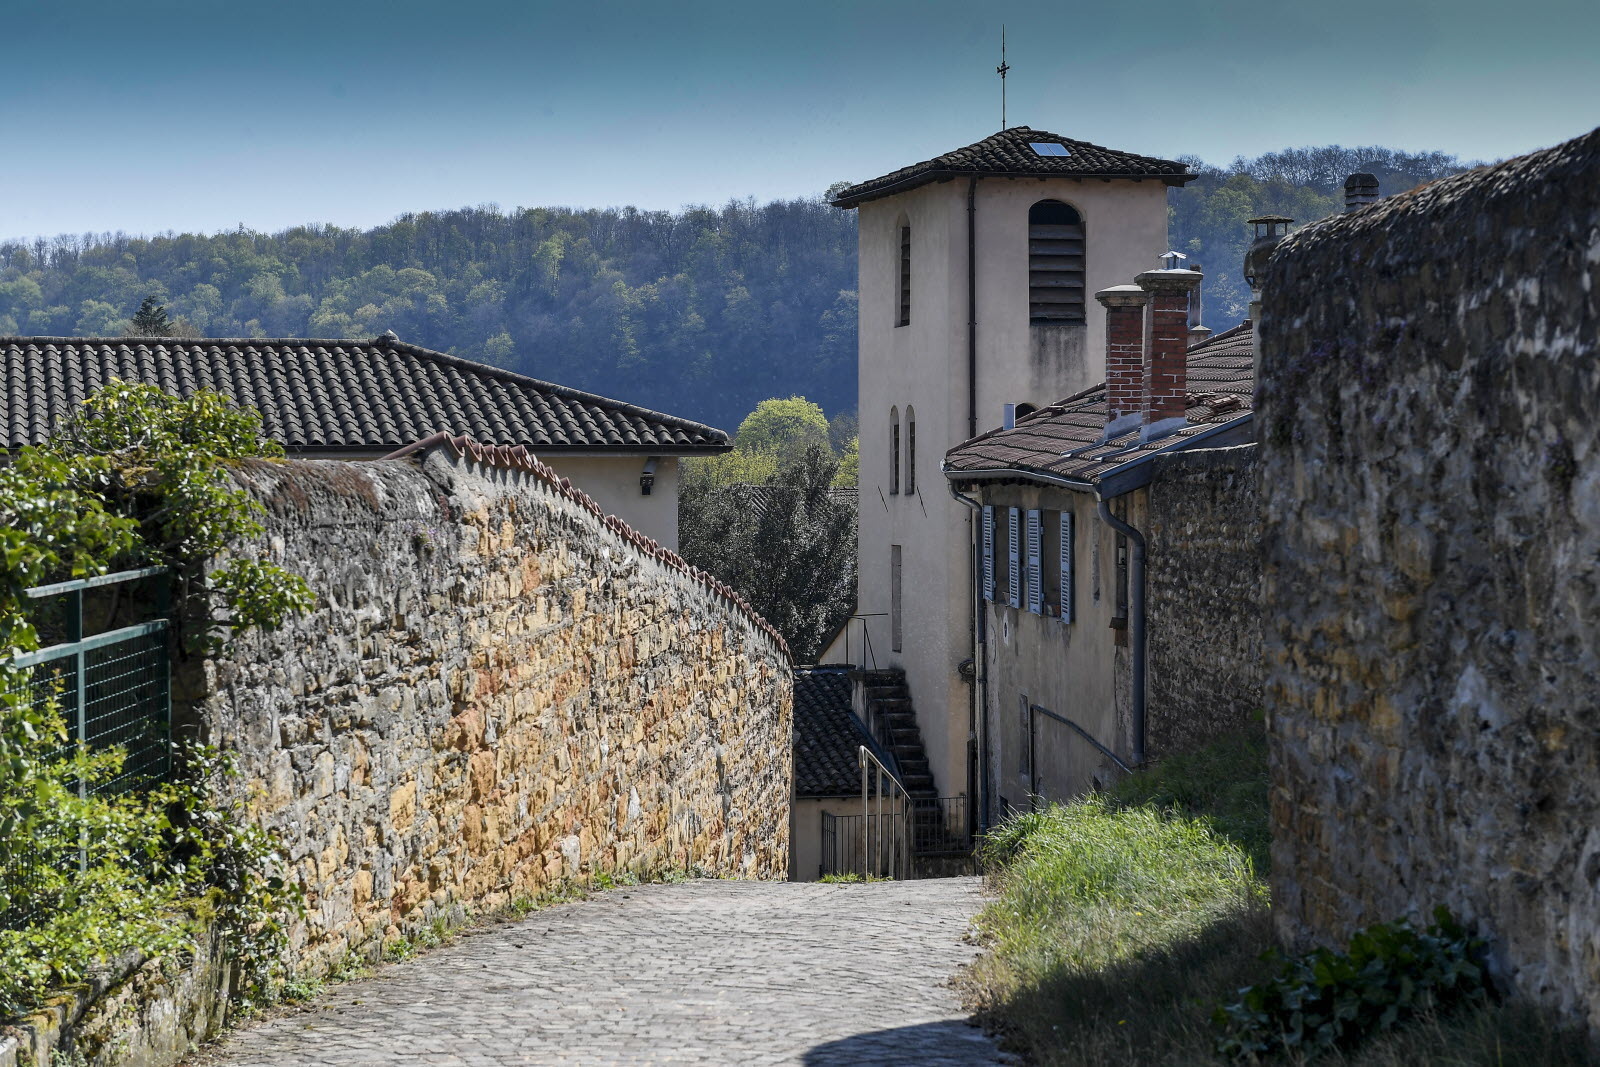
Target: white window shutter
x,y
1035,561
988,552
1068,579
1015,573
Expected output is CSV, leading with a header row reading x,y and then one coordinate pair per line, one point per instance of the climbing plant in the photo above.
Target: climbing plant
x,y
134,477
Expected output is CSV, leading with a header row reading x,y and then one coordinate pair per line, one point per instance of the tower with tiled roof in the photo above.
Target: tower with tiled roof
x,y
976,272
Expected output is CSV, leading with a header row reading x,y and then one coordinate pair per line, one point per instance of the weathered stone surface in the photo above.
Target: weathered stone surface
x,y
497,690
1429,413
1203,597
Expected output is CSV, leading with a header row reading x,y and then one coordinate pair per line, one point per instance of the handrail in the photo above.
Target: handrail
x,y
1085,734
896,856
91,583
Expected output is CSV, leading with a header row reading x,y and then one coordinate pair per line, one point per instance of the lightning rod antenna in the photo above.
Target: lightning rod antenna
x,y
1003,69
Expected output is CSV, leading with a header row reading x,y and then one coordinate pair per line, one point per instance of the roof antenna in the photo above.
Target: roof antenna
x,y
1002,70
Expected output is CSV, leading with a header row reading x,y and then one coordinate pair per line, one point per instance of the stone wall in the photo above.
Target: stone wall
x,y
1203,597
1429,412
498,690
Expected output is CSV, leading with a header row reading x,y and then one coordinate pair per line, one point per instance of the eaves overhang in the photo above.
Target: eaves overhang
x,y
930,177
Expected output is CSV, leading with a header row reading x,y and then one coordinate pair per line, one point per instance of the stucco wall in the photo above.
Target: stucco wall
x,y
924,365
496,691
1430,422
1203,598
613,482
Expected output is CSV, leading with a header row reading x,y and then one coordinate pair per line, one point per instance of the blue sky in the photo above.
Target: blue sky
x,y
191,115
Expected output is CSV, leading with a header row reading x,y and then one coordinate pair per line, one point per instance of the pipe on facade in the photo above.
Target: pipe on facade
x,y
978,694
1136,621
972,307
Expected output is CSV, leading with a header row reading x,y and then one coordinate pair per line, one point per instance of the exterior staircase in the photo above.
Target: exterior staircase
x,y
886,703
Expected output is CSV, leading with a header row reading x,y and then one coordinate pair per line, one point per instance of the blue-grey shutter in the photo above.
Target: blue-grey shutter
x,y
1015,573
1035,561
1068,579
988,552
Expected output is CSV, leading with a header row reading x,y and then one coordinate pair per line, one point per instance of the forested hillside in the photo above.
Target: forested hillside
x,y
703,312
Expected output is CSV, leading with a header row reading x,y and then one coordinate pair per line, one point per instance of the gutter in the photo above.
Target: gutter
x,y
978,693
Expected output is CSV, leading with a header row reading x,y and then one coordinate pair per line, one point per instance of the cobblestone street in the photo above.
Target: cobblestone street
x,y
700,972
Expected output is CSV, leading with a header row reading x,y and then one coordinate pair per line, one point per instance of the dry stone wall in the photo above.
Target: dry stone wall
x,y
497,691
1429,412
1203,590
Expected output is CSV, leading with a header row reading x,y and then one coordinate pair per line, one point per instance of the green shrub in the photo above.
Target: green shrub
x,y
1326,999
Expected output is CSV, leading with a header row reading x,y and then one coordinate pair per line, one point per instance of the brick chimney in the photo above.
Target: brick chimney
x,y
1360,189
1124,306
1166,376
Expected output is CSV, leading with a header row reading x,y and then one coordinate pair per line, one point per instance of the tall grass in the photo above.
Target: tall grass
x,y
1121,920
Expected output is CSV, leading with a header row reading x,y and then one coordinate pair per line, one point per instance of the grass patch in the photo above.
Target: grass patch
x,y
850,879
1123,919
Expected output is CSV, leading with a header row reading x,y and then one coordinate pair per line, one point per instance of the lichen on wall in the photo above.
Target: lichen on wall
x,y
496,692
1429,411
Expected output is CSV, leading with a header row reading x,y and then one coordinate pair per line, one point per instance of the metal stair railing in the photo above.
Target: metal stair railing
x,y
886,838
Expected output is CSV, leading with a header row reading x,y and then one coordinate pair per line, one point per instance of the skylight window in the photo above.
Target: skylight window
x,y
1048,148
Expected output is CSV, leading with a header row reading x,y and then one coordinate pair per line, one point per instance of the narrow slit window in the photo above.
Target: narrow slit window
x,y
1055,263
903,317
896,603
911,451
894,451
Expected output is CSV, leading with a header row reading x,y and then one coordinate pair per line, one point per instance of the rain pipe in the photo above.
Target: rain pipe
x,y
978,692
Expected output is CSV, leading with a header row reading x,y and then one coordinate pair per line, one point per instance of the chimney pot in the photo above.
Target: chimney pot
x,y
1360,189
1008,420
1198,335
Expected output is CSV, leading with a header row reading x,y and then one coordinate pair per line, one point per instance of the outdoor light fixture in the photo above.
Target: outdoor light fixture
x,y
647,477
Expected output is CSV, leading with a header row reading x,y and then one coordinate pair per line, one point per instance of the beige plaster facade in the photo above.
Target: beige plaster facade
x,y
921,367
613,481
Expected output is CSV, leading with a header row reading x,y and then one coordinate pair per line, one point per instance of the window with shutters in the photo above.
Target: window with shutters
x,y
999,537
894,450
1049,555
1055,263
903,315
911,450
1068,546
895,601
986,536
1035,556
1014,561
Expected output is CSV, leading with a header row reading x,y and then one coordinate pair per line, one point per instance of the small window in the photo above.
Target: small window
x,y
1000,554
1055,263
904,316
894,450
1025,739
1049,558
911,450
1048,148
895,601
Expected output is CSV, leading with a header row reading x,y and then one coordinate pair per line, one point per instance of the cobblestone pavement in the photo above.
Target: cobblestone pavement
x,y
698,972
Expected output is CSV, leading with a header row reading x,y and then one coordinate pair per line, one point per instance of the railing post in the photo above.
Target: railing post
x,y
81,718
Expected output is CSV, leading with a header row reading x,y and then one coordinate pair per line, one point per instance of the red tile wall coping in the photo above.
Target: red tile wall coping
x,y
520,459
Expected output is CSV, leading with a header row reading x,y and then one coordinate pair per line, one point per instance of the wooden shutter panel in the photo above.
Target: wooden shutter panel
x,y
1015,573
1035,562
988,552
1068,579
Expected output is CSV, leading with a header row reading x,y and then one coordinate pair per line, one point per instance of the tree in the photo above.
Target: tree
x,y
96,318
150,320
784,428
789,547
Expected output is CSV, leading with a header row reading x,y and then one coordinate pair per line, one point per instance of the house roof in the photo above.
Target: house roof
x,y
1010,153
827,734
1062,441
322,395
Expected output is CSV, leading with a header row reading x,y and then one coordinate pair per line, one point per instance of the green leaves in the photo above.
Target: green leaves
x,y
1326,999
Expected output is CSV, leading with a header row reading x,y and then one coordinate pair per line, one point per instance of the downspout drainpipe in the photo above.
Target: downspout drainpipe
x,y
978,694
972,307
1135,622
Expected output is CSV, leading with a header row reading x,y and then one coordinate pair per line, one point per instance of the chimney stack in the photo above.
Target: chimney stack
x,y
1360,189
1124,306
1270,229
1165,402
1198,335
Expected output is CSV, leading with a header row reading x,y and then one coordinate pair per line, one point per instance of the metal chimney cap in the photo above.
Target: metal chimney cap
x,y
1361,180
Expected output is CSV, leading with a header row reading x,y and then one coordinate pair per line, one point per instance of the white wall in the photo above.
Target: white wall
x,y
613,481
924,365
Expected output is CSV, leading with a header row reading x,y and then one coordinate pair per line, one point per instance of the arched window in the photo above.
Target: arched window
x,y
1024,410
911,450
894,450
1055,263
903,315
